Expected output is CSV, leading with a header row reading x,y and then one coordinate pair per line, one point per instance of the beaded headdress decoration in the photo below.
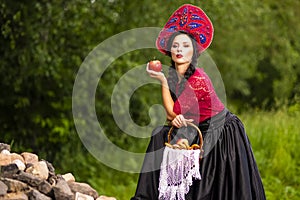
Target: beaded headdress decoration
x,y
190,19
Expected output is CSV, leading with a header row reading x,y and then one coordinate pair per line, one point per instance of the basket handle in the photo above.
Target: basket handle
x,y
190,124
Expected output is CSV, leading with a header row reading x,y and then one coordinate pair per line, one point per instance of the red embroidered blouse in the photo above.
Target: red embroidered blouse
x,y
198,100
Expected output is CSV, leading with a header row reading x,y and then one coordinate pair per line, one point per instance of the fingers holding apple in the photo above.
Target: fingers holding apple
x,y
154,69
155,65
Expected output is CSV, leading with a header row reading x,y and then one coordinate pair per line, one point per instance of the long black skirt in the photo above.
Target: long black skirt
x,y
228,168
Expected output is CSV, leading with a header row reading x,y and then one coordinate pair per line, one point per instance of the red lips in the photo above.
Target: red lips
x,y
179,56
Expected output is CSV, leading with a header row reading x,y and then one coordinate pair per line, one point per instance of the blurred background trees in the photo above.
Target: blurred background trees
x,y
43,43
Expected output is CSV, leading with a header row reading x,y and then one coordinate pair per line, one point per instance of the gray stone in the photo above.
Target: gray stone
x,y
3,188
9,171
28,178
14,186
4,147
50,167
36,195
30,157
15,196
62,190
52,180
20,164
79,196
5,159
102,197
15,156
45,188
39,169
6,152
69,177
83,188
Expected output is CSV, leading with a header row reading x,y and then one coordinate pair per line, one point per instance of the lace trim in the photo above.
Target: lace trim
x,y
177,171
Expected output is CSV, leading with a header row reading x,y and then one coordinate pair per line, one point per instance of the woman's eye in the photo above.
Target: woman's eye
x,y
186,46
174,46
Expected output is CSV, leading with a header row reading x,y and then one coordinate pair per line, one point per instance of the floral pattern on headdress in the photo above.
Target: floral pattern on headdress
x,y
190,19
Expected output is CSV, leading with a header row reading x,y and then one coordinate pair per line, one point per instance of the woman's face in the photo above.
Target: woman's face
x,y
182,49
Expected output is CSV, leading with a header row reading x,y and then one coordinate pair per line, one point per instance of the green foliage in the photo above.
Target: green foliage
x,y
256,52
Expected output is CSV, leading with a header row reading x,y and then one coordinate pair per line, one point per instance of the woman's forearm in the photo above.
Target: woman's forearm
x,y
167,100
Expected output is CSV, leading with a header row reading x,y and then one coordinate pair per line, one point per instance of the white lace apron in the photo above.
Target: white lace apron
x,y
177,171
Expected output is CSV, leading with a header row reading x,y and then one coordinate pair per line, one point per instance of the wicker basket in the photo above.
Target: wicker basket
x,y
192,147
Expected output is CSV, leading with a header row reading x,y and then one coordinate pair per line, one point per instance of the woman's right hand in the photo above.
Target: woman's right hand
x,y
179,121
157,75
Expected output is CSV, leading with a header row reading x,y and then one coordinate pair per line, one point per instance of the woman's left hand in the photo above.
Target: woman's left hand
x,y
157,75
179,121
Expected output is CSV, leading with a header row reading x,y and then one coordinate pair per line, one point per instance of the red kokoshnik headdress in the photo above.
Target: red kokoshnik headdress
x,y
190,19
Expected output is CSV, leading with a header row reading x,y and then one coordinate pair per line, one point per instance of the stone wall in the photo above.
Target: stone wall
x,y
26,177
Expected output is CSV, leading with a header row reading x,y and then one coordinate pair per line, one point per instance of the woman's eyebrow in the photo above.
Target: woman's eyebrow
x,y
184,42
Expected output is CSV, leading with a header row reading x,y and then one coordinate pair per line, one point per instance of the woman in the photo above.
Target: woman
x,y
228,168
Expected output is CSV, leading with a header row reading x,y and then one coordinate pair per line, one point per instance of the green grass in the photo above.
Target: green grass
x,y
275,137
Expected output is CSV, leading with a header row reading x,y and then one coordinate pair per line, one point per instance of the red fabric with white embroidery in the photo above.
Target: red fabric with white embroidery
x,y
198,100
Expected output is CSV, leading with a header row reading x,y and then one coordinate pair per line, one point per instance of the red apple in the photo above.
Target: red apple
x,y
155,65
